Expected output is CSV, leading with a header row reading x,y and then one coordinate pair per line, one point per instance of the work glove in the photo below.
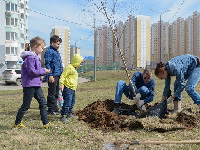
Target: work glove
x,y
169,100
140,105
136,99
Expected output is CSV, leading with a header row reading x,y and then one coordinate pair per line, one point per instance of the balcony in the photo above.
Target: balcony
x,y
11,58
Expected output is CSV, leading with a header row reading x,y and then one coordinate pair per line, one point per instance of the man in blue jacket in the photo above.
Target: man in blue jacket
x,y
144,86
54,63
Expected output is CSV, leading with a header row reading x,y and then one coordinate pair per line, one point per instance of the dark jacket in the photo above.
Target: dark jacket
x,y
138,82
53,62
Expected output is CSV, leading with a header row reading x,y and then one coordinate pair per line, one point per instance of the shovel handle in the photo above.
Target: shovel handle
x,y
165,142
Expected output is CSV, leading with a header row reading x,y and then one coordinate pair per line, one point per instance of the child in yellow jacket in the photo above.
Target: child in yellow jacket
x,y
68,83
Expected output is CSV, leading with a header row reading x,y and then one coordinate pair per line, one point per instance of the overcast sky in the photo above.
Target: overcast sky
x,y
44,14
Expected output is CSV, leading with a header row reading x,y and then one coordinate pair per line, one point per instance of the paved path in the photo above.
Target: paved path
x,y
3,86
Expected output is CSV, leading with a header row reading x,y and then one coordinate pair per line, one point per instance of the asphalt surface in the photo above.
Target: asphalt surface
x,y
3,86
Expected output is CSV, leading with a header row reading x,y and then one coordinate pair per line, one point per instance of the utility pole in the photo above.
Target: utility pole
x,y
95,67
160,38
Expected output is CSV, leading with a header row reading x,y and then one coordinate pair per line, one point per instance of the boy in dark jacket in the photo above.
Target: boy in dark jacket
x,y
54,63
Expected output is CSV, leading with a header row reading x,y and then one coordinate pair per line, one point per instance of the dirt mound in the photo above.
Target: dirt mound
x,y
187,120
99,115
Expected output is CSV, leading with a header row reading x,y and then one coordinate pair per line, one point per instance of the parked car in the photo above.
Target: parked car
x,y
12,76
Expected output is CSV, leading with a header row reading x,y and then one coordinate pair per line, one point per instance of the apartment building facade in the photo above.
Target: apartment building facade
x,y
14,31
64,33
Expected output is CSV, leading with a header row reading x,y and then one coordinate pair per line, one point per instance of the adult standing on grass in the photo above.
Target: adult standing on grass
x,y
54,63
31,82
68,84
144,86
184,67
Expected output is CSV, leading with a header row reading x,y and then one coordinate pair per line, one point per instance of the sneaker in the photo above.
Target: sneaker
x,y
19,126
72,116
53,113
49,125
64,118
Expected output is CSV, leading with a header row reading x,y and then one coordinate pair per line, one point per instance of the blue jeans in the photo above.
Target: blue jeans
x,y
29,93
69,101
122,88
191,83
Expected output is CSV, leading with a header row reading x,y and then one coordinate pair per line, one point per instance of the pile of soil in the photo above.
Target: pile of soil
x,y
99,115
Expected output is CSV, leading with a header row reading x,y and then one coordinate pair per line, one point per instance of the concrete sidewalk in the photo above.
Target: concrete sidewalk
x,y
3,86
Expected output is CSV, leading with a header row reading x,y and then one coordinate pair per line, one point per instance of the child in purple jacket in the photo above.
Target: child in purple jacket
x,y
31,82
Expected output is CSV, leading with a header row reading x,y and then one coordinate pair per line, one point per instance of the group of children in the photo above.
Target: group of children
x,y
61,84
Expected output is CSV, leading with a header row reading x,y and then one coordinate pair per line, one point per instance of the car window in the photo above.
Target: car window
x,y
7,72
18,71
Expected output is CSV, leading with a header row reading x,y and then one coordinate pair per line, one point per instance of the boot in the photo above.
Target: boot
x,y
177,108
116,109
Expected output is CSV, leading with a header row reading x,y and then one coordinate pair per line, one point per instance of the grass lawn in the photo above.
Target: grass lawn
x,y
77,134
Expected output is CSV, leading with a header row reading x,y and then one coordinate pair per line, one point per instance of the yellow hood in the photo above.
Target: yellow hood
x,y
76,60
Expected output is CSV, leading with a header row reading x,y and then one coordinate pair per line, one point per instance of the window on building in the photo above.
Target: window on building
x,y
11,36
7,50
8,6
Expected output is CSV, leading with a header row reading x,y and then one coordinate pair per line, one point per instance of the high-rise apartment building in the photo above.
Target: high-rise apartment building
x,y
177,37
64,33
14,16
74,50
143,40
192,36
2,36
155,43
134,42
130,42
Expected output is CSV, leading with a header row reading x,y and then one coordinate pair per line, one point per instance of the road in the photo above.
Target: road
x,y
3,86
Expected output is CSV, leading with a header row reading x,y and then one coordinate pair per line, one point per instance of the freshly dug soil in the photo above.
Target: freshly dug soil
x,y
99,115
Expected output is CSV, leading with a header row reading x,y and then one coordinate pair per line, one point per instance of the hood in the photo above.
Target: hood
x,y
24,54
76,60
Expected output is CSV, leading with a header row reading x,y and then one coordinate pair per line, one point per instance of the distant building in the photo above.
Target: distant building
x,y
74,50
89,60
64,33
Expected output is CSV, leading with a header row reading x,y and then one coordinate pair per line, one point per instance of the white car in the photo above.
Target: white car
x,y
12,76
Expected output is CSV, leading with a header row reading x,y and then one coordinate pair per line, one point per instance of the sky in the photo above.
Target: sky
x,y
80,15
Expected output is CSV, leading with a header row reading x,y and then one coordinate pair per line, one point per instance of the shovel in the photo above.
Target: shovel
x,y
125,145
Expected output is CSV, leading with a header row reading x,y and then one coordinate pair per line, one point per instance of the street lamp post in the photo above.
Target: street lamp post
x,y
161,30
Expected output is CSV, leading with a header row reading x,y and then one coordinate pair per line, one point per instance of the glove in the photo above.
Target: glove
x,y
169,100
136,99
141,106
140,103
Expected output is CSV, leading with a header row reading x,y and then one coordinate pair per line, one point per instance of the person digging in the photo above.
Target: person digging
x,y
184,68
144,86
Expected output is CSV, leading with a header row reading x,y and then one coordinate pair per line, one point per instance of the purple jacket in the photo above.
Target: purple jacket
x,y
31,69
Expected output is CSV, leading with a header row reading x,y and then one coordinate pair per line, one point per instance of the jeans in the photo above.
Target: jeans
x,y
69,101
29,93
122,88
191,83
53,92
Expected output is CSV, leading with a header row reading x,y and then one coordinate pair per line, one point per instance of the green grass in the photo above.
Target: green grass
x,y
77,134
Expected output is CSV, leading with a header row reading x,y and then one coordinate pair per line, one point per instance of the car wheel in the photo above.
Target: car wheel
x,y
7,83
18,82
